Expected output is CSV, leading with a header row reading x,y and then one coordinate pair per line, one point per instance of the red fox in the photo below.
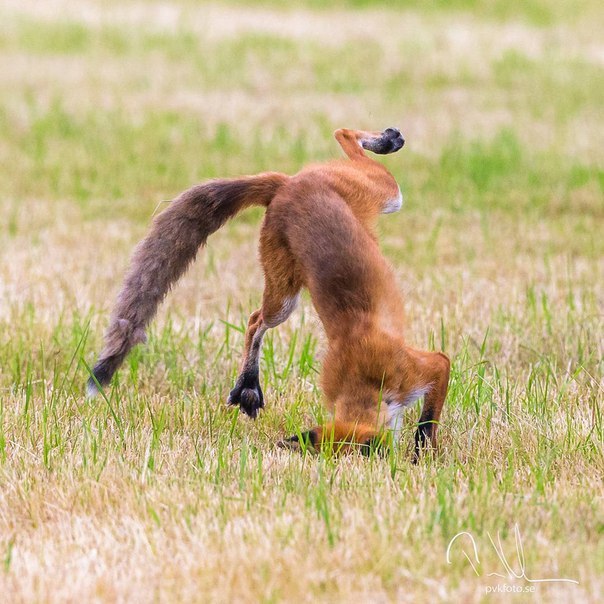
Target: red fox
x,y
318,232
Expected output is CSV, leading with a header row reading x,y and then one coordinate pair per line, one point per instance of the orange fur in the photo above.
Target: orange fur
x,y
318,233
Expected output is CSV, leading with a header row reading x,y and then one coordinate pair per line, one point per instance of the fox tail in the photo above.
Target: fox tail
x,y
164,255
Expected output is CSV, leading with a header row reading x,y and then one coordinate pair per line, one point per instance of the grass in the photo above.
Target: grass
x,y
158,491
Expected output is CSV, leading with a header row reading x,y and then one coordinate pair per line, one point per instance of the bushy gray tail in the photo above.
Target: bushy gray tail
x,y
164,255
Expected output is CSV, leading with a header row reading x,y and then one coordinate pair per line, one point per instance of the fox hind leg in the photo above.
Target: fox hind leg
x,y
247,392
280,298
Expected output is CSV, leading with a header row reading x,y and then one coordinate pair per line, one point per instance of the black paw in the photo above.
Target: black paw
x,y
248,396
423,437
390,141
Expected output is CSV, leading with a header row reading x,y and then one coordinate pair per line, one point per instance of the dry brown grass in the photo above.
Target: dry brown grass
x,y
162,494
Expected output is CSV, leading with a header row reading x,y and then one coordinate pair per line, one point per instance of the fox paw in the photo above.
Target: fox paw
x,y
248,397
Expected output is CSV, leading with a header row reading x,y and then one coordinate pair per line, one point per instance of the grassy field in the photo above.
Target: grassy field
x,y
162,493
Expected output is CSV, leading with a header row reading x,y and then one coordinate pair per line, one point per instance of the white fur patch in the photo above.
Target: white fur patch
x,y
396,409
394,204
415,394
287,309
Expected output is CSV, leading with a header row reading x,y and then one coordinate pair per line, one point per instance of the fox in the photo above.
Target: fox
x,y
318,233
